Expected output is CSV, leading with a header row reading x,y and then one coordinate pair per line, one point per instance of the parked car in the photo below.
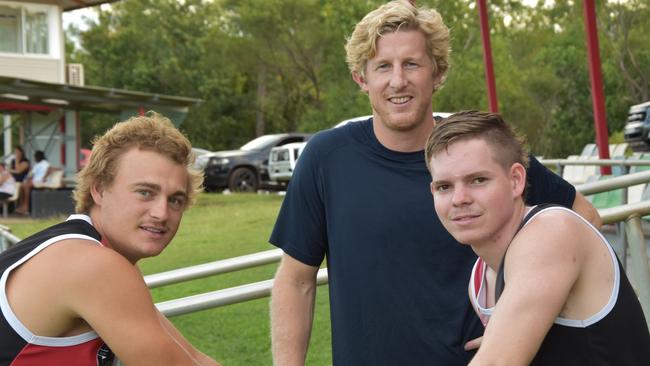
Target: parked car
x,y
637,128
282,161
201,157
244,170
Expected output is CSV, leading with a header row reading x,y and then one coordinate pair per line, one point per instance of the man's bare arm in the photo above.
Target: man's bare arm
x,y
200,358
292,311
585,209
109,293
541,268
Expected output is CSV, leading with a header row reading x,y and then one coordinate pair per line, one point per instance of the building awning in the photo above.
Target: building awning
x,y
67,5
16,92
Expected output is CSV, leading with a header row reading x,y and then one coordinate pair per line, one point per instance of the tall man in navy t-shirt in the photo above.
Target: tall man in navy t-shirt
x,y
360,197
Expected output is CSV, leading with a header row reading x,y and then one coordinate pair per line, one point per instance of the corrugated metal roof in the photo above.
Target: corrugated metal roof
x,y
92,98
67,5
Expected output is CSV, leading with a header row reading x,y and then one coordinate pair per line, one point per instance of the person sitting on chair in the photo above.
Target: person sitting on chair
x,y
36,176
19,166
7,183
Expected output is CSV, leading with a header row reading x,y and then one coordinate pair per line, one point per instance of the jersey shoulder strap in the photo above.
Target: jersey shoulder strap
x,y
500,282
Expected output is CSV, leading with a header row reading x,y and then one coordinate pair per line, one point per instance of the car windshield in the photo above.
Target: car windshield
x,y
260,143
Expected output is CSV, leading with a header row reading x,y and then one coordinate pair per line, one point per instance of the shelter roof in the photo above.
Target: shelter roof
x,y
67,5
91,98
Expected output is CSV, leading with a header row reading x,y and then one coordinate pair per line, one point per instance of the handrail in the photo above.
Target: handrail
x,y
7,239
213,268
621,213
263,288
598,162
223,297
274,255
621,181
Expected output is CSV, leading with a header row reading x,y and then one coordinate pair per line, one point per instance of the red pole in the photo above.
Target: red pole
x,y
487,57
595,74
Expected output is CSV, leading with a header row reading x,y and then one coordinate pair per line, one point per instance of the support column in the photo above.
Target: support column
x,y
595,75
7,134
487,57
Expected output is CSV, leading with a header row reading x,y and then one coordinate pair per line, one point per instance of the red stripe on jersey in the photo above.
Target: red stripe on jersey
x,y
478,276
84,354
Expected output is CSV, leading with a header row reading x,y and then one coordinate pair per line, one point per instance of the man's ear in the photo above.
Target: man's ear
x,y
518,179
360,80
97,193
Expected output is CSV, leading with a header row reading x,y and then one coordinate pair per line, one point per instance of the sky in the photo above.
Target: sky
x,y
76,16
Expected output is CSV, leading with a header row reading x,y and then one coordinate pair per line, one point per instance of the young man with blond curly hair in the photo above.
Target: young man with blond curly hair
x,y
71,294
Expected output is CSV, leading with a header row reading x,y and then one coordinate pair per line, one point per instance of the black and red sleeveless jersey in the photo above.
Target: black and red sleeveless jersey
x,y
18,345
615,335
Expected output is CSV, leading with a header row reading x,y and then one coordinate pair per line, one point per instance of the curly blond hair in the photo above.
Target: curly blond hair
x,y
152,132
391,17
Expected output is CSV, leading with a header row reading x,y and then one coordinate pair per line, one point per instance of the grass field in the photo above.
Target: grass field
x,y
219,227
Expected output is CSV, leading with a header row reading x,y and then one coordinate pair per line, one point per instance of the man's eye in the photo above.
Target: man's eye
x,y
144,193
381,67
442,187
479,179
177,202
411,65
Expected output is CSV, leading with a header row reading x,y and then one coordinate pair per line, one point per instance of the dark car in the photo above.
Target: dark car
x,y
637,129
246,169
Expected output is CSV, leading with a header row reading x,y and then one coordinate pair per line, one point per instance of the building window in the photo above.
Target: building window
x,y
24,29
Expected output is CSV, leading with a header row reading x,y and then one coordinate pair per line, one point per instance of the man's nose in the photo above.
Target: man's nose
x,y
398,78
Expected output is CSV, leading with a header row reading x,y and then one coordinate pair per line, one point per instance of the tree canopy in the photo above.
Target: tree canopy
x,y
279,65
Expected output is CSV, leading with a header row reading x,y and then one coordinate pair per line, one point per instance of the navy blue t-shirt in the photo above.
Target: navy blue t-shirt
x,y
397,278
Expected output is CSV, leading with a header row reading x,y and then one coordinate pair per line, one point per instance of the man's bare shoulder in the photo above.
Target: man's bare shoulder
x,y
74,266
554,228
552,242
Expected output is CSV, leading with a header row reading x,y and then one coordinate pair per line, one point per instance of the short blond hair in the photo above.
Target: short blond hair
x,y
391,17
152,132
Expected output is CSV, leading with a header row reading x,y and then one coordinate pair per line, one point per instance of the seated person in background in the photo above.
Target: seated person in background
x,y
19,167
7,183
71,294
36,176
547,285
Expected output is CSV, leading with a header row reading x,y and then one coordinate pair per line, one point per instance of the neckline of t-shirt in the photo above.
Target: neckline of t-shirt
x,y
374,143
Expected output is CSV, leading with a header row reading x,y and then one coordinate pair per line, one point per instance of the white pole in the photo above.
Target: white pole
x,y
7,134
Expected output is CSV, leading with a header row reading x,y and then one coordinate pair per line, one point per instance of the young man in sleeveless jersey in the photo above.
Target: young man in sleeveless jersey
x,y
547,285
71,294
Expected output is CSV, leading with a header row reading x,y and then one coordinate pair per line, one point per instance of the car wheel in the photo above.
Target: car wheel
x,y
243,180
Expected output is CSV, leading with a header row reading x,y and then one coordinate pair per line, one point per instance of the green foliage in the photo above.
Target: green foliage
x,y
279,65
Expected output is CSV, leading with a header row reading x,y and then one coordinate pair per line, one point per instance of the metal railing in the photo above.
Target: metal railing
x,y
213,268
628,214
7,239
274,255
624,164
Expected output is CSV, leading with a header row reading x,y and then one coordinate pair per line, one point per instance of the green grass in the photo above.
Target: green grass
x,y
220,227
